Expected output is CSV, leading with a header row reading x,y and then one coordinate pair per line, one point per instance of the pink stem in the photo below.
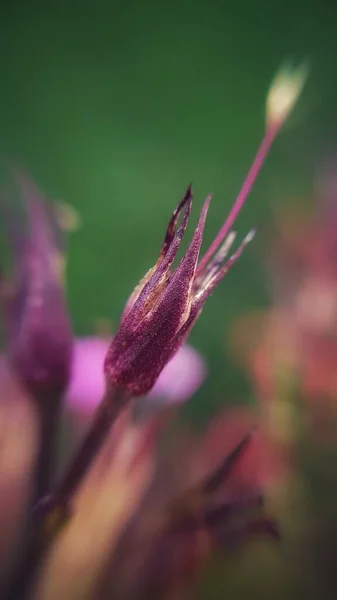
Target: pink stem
x,y
253,172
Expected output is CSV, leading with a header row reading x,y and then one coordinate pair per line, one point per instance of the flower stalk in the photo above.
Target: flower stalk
x,y
57,504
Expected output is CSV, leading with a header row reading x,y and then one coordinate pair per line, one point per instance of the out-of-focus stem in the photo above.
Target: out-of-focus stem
x,y
106,413
51,513
49,429
48,412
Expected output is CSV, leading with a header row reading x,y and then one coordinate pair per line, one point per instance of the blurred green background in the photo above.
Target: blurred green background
x,y
114,107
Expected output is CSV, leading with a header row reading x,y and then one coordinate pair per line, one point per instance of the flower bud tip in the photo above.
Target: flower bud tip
x,y
283,94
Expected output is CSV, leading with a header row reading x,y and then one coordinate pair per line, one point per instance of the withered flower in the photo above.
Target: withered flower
x,y
164,306
36,318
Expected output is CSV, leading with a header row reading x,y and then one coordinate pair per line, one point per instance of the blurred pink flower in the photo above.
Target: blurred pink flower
x,y
181,377
178,381
87,379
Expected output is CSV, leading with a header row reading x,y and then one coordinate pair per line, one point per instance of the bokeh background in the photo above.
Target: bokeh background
x,y
114,107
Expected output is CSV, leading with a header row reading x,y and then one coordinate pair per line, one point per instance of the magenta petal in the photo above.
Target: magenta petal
x,y
87,378
182,376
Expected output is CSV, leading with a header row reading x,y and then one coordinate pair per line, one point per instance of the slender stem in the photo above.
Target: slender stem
x,y
105,415
253,172
49,410
56,504
49,427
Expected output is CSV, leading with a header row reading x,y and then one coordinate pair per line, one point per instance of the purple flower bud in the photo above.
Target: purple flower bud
x,y
37,324
164,306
